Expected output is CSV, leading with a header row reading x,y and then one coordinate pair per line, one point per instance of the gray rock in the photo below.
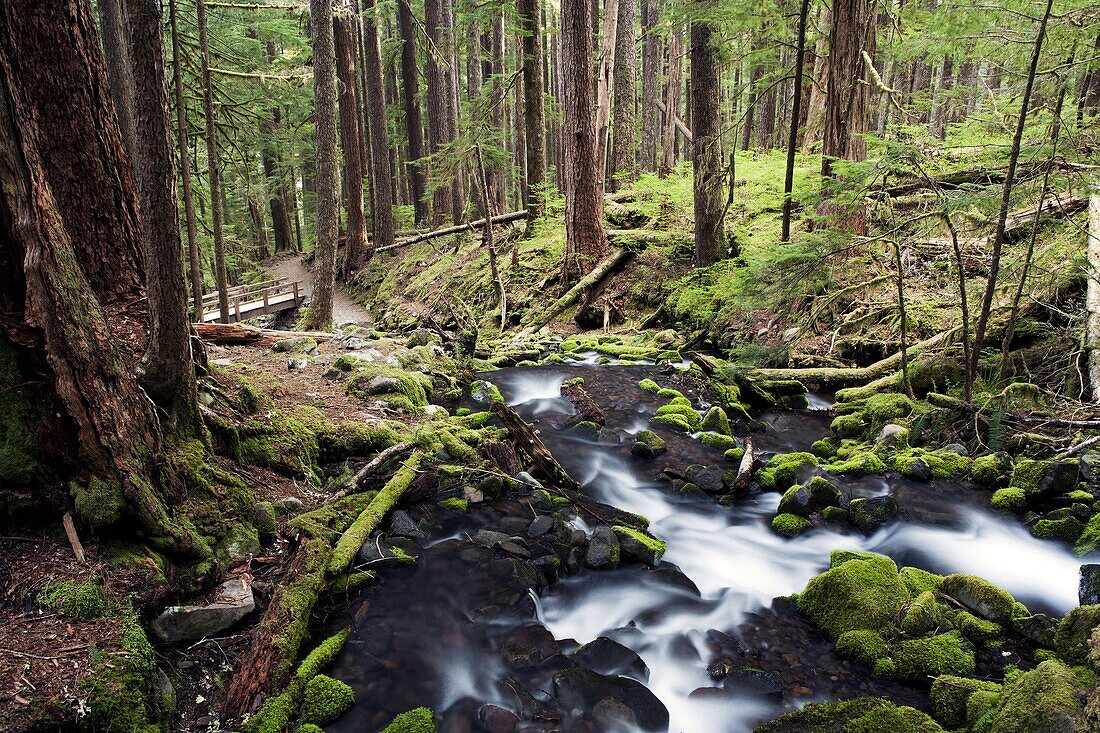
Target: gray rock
x,y
796,500
1088,590
293,364
707,478
867,515
294,345
1038,628
1059,477
608,656
603,549
422,337
232,601
918,470
528,479
1089,465
541,525
637,549
958,449
223,362
621,698
495,719
354,342
382,385
288,505
402,524
489,538
889,434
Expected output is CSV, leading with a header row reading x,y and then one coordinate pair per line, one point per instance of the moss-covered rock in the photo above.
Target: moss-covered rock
x,y
782,471
923,616
824,448
392,384
120,683
1066,529
863,592
863,646
263,517
415,721
1009,500
979,631
715,421
918,581
649,386
921,464
790,525
648,444
1047,478
949,697
870,513
991,470
1089,540
717,440
1045,700
862,715
848,426
99,502
931,656
823,493
979,596
1073,633
639,546
859,464
81,601
325,699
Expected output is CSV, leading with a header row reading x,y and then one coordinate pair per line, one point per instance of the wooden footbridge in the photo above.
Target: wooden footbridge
x,y
251,301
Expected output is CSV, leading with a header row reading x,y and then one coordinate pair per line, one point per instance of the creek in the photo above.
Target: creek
x,y
460,629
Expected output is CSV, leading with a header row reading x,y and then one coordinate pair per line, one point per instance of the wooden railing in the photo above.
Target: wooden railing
x,y
250,301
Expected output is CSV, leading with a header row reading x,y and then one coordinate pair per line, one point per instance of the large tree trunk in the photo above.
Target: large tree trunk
x,y
815,109
454,96
213,167
1092,334
651,84
328,215
185,167
351,128
499,181
848,96
120,73
672,101
624,158
706,121
796,105
414,126
604,84
169,372
439,108
277,188
53,312
533,115
586,241
382,191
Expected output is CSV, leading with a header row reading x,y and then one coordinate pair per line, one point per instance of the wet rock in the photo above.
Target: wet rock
x,y
707,478
577,538
891,435
670,574
403,525
1088,589
918,470
957,448
621,700
529,646
755,681
603,549
514,548
639,546
1089,467
608,656
540,525
495,719
868,515
648,444
796,500
232,601
1037,627
528,479
979,596
489,538
549,566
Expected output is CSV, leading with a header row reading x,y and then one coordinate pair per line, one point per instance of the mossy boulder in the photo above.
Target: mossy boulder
x,y
918,581
649,386
991,470
1089,540
823,493
824,448
1046,478
979,596
858,464
862,715
391,384
782,471
1066,529
1045,700
863,592
648,444
120,684
871,513
949,697
415,721
978,630
715,421
848,426
325,699
639,546
923,615
99,502
80,601
1072,635
790,525
1011,500
796,500
717,440
863,646
931,656
923,464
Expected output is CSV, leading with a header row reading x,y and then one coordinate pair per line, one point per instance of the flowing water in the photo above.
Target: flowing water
x,y
444,649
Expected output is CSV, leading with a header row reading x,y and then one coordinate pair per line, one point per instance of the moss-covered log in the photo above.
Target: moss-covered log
x,y
574,294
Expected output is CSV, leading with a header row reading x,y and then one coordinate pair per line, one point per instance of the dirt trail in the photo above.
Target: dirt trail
x,y
343,307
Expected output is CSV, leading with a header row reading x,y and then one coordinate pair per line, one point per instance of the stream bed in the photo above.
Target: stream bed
x,y
485,633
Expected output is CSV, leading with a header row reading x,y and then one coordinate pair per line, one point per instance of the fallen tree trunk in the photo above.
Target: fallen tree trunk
x,y
745,469
370,469
528,442
229,334
457,229
586,407
950,181
599,272
684,129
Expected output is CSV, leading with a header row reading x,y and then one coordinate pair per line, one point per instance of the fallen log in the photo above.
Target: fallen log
x,y
745,469
598,273
528,442
371,468
586,407
684,129
950,181
456,229
229,334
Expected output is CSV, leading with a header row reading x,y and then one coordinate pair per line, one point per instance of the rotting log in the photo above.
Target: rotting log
x,y
229,334
528,442
745,469
371,468
609,264
457,229
586,407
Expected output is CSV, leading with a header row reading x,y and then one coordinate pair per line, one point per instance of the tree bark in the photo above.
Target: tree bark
x,y
624,166
651,84
277,188
185,167
586,241
1092,336
328,215
382,192
439,108
351,128
796,104
213,167
815,109
672,101
604,85
414,126
847,95
534,117
169,372
116,52
709,173
499,180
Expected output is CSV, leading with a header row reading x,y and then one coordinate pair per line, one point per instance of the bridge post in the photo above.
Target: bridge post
x,y
265,302
296,300
237,308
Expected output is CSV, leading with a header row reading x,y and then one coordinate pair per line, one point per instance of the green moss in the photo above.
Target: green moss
x,y
923,616
835,514
415,721
918,659
823,493
455,503
264,519
1035,699
861,715
1009,500
918,581
277,711
673,421
940,463
790,525
824,448
1067,529
81,601
649,386
670,394
1080,496
860,464
862,645
862,592
716,421
734,455
949,698
977,630
309,728
881,408
717,440
99,502
980,596
654,549
1071,638
376,381
686,412
294,345
351,581
781,471
991,470
1089,540
337,442
120,682
325,699
847,426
